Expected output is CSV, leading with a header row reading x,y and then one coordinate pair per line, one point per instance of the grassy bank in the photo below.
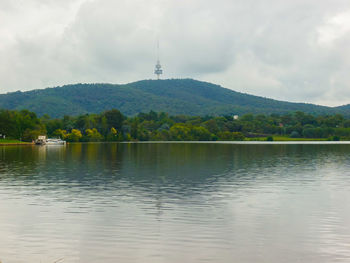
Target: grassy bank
x,y
9,142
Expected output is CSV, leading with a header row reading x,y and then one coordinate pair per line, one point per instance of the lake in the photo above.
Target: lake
x,y
175,202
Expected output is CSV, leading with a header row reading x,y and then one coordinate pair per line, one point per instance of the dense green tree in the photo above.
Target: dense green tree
x,y
154,126
93,135
74,136
62,134
113,135
180,132
114,119
200,134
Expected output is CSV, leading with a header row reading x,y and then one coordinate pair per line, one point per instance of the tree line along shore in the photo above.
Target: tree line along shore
x,y
24,126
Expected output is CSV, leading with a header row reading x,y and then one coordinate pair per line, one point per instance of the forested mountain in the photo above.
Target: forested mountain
x,y
344,108
174,96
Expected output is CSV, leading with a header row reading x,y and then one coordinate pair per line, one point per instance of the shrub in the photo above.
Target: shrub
x,y
294,134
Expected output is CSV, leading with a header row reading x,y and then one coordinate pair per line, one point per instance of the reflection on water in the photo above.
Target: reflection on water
x,y
175,203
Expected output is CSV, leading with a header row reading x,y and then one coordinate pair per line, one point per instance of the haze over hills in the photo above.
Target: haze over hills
x,y
175,96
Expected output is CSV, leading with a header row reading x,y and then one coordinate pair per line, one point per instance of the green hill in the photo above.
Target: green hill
x,y
175,96
344,108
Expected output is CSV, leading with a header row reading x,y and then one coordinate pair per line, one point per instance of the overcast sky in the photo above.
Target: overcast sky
x,y
296,50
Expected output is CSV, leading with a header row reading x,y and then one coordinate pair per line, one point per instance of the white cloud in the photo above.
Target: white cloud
x,y
293,50
335,28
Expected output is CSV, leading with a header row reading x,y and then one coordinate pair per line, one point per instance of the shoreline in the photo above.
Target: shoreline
x,y
197,142
16,144
241,142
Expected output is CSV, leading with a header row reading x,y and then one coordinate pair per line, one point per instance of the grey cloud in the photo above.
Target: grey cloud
x,y
293,50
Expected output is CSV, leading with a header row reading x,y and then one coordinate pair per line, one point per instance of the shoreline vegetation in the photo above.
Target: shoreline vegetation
x,y
13,142
23,127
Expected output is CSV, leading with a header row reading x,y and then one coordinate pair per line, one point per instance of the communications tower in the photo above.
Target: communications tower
x,y
158,69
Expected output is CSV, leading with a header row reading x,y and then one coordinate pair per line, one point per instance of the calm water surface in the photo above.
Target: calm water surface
x,y
175,203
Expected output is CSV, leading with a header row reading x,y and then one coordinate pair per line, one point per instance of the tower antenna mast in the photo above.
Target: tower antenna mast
x,y
158,69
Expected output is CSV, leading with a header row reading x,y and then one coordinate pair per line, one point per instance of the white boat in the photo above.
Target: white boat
x,y
55,142
43,141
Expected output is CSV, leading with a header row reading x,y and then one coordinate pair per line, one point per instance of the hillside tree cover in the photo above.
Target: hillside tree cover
x,y
174,96
112,125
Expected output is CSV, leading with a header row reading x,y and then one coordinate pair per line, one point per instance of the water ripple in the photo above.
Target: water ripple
x,y
175,203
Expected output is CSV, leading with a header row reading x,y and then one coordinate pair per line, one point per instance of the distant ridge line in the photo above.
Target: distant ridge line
x,y
174,96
